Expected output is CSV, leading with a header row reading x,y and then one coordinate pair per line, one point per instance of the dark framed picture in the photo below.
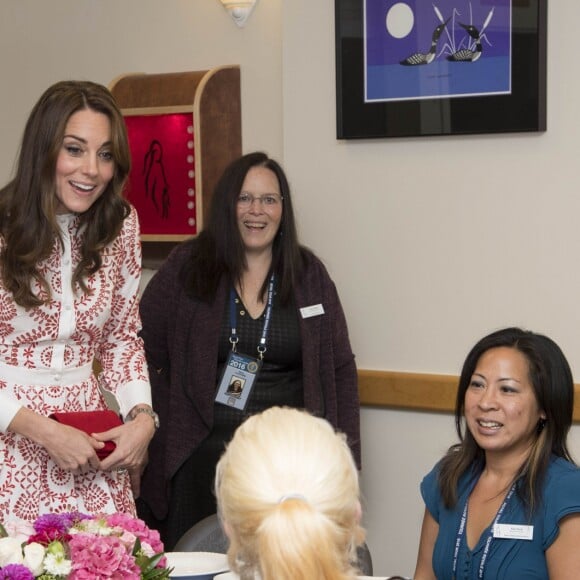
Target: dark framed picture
x,y
162,182
439,67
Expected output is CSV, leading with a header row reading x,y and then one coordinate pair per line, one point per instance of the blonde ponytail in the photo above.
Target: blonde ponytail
x,y
287,488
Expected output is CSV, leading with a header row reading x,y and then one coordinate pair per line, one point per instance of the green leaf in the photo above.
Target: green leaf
x,y
149,571
137,547
157,574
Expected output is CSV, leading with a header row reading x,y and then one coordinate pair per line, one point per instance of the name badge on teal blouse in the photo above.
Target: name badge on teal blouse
x,y
513,531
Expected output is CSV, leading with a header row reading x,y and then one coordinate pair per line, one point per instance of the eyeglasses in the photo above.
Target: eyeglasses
x,y
268,200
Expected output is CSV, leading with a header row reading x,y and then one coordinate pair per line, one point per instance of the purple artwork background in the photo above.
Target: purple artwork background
x,y
384,49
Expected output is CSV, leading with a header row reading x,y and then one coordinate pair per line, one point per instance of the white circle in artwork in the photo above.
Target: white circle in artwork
x,y
190,129
190,144
400,20
191,192
191,222
190,205
190,158
191,174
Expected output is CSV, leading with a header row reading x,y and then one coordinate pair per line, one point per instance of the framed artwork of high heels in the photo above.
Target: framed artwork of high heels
x,y
439,67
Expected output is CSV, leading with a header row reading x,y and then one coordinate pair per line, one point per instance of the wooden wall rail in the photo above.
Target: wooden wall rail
x,y
417,391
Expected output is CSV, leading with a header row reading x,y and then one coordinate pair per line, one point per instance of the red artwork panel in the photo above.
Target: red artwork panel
x,y
162,180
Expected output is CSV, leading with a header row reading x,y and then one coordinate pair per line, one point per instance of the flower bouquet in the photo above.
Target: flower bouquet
x,y
82,547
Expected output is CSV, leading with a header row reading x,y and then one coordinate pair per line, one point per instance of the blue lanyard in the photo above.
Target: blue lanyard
x,y
461,533
261,348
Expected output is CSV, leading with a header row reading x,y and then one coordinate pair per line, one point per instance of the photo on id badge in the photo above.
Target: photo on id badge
x,y
236,386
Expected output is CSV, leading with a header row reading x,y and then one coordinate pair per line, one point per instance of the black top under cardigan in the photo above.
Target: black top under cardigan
x,y
181,337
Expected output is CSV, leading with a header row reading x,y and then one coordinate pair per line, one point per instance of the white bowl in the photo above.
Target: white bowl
x,y
196,565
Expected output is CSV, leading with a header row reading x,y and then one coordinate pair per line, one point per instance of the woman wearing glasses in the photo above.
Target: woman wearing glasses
x,y
243,299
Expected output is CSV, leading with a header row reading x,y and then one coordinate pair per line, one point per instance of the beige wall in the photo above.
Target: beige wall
x,y
432,242
43,42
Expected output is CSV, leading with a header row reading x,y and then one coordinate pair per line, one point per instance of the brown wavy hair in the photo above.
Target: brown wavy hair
x,y
28,203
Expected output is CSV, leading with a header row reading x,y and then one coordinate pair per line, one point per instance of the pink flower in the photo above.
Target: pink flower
x,y
83,547
45,538
137,527
51,527
128,539
101,557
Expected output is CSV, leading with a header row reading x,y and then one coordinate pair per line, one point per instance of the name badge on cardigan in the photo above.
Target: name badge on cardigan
x,y
237,380
310,311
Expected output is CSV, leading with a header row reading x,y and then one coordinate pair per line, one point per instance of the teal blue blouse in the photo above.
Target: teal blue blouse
x,y
507,558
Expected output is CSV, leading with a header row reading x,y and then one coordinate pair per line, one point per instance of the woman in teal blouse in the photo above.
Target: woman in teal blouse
x,y
504,503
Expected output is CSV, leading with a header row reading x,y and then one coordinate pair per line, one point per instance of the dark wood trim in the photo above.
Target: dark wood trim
x,y
413,391
417,391
423,392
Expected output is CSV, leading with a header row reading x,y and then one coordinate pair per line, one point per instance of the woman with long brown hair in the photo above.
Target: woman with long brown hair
x,y
69,274
242,300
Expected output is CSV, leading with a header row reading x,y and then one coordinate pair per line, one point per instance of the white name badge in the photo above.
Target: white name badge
x,y
513,532
314,310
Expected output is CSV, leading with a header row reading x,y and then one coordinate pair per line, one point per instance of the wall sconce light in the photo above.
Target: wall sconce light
x,y
239,10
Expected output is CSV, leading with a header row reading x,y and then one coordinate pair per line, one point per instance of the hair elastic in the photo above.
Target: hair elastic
x,y
288,496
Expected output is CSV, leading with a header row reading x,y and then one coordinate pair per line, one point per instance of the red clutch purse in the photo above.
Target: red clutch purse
x,y
91,422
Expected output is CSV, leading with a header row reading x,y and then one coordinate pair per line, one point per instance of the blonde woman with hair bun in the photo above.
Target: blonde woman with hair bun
x,y
288,494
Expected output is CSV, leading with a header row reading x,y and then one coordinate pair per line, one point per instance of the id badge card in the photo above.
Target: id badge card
x,y
237,380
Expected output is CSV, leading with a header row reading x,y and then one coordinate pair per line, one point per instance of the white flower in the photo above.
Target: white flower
x,y
33,557
97,527
10,551
57,565
18,529
147,550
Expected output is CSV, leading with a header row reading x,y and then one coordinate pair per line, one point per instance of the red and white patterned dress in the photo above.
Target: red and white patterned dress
x,y
46,357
